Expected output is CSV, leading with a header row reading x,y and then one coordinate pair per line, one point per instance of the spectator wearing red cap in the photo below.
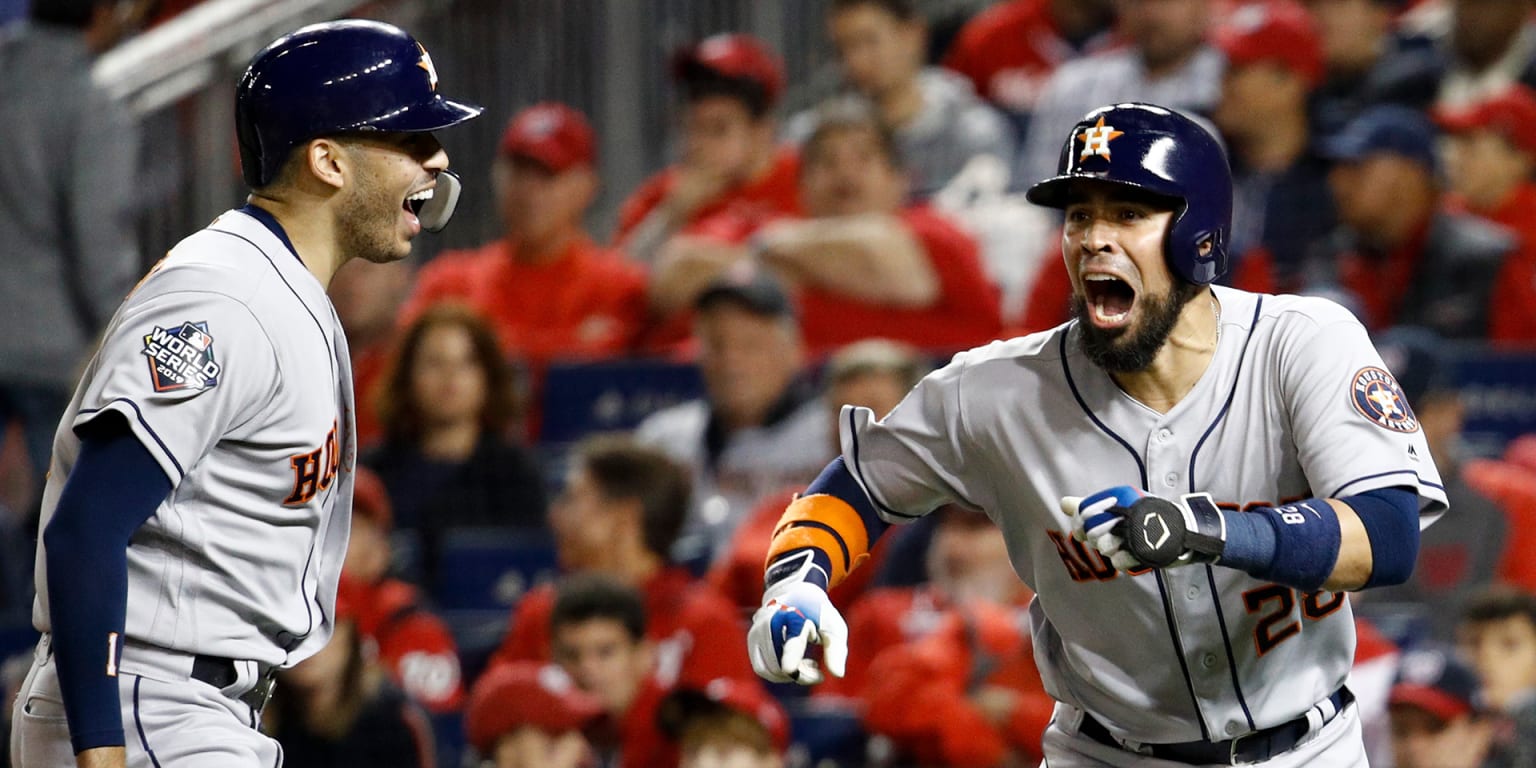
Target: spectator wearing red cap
x,y
1009,51
1283,205
940,125
725,723
412,643
730,161
864,263
529,715
1435,722
548,290
598,633
1490,163
338,708
619,514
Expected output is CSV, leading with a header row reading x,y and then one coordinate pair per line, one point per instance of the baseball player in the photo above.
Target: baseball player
x,y
1189,476
195,516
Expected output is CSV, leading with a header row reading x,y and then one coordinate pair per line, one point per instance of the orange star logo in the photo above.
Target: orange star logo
x,y
1096,140
426,64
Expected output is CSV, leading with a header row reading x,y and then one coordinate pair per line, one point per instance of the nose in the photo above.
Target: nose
x,y
437,162
1097,236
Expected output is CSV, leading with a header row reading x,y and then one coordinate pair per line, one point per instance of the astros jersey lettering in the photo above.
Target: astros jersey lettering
x,y
229,365
1295,404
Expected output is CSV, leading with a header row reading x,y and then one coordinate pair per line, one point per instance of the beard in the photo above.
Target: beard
x,y
1133,349
369,232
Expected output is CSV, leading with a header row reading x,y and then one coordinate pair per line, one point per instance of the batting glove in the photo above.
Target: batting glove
x,y
1136,530
1097,520
794,615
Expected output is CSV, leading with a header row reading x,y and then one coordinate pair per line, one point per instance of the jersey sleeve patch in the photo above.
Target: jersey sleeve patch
x,y
181,358
1377,397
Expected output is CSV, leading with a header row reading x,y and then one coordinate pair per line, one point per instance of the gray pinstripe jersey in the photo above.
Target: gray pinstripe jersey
x,y
1296,403
230,366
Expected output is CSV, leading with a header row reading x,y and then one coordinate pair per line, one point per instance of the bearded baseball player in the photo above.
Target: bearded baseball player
x,y
196,513
1190,477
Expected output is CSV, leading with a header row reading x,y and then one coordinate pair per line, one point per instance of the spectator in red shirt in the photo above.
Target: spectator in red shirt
x,y
875,374
1010,50
863,264
547,289
726,723
528,715
732,174
367,296
1283,206
1490,165
412,643
598,634
622,507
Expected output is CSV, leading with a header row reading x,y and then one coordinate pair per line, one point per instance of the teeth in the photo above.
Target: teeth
x,y
425,194
1098,311
1098,277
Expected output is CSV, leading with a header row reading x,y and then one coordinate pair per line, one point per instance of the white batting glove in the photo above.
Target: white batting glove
x,y
794,615
1099,521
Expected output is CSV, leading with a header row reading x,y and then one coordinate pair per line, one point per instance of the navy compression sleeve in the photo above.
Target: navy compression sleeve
x,y
113,488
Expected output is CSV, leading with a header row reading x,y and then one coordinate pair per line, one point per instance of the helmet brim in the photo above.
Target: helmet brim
x,y
431,115
1056,192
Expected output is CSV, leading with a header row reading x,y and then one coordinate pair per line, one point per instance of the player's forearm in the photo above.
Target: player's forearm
x,y
872,258
1354,566
102,757
833,523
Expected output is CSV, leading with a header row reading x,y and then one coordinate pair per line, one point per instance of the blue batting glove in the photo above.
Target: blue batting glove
x,y
794,615
1098,520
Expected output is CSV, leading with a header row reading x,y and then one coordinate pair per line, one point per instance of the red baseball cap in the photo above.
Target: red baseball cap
x,y
745,697
552,135
510,696
740,57
1435,682
369,499
1273,30
1511,114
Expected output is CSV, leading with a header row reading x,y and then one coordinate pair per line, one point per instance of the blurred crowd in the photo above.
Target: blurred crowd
x,y
1384,153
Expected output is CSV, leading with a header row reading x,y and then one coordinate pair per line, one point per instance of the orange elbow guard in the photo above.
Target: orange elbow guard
x,y
827,523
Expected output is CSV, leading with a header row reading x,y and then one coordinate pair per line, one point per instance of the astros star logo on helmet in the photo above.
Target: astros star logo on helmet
x,y
426,63
1096,140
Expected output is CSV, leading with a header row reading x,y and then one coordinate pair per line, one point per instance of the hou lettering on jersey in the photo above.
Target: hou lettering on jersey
x,y
181,357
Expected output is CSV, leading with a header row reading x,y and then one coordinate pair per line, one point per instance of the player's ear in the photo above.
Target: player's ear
x,y
328,161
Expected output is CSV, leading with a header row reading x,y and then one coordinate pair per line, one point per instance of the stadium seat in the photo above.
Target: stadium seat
x,y
491,568
825,731
583,398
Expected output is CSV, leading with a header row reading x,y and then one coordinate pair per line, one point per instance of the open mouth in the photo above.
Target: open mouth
x,y
414,202
1109,299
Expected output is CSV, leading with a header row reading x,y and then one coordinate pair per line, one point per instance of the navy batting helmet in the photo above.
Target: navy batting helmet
x,y
1162,152
332,78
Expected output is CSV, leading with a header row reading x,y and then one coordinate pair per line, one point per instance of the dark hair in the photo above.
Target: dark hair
x,y
699,82
625,469
906,10
585,597
65,13
843,115
1499,602
398,411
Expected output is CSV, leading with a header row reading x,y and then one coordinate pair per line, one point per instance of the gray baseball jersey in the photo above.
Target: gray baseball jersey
x,y
1295,404
230,366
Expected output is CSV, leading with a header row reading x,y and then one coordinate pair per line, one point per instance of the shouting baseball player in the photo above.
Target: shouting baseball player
x,y
195,516
1189,476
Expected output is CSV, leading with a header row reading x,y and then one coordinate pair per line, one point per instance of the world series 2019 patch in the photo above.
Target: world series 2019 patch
x,y
181,357
1378,397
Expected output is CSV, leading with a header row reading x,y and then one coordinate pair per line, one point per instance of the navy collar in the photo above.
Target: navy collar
x,y
271,223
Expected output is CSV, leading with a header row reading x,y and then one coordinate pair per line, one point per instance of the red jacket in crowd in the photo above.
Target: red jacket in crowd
x,y
413,644
697,633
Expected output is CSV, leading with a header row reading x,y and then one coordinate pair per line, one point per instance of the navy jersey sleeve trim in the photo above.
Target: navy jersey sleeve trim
x,y
867,492
114,486
838,481
138,415
1421,481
